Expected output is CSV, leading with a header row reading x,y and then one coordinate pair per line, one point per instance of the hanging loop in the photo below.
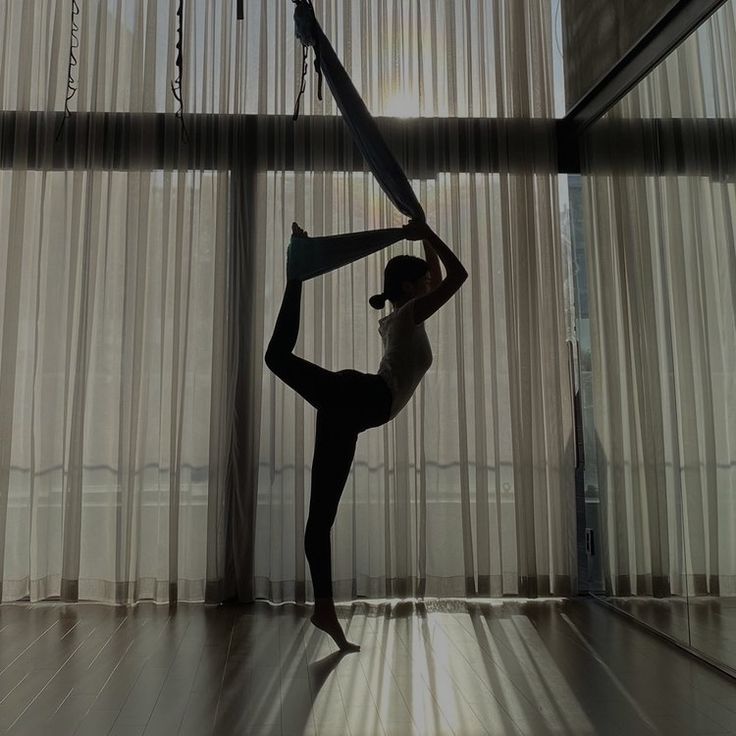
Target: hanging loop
x,y
306,29
179,63
71,87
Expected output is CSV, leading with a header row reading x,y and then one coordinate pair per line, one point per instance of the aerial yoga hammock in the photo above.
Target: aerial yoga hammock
x,y
320,255
348,402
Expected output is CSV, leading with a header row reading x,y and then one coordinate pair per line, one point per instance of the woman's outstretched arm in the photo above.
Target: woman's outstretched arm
x,y
419,230
427,305
435,270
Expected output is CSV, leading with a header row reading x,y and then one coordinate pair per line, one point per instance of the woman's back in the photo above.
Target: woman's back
x,y
407,354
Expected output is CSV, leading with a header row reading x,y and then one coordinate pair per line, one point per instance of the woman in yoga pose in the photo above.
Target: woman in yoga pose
x,y
348,402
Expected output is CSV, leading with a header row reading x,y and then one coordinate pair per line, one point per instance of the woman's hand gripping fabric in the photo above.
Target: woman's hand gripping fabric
x,y
417,230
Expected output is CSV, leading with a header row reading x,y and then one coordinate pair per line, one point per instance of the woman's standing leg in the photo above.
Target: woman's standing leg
x,y
334,450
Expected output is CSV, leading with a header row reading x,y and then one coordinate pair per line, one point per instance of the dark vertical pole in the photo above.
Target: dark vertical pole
x,y
241,15
247,232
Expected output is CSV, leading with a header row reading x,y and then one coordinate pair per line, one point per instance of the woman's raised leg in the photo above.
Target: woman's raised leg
x,y
314,383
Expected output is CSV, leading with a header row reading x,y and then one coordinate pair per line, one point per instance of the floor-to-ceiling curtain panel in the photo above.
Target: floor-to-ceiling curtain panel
x,y
470,490
146,452
661,207
116,339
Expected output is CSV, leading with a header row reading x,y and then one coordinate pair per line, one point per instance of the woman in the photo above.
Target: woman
x,y
349,402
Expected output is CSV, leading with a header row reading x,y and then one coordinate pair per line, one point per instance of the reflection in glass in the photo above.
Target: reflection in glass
x,y
660,201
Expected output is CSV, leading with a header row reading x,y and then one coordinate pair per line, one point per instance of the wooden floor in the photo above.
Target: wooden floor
x,y
542,667
706,623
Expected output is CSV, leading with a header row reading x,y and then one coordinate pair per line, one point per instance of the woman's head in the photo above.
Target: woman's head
x,y
400,280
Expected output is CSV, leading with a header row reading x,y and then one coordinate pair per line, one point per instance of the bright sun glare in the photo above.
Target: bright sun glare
x,y
401,105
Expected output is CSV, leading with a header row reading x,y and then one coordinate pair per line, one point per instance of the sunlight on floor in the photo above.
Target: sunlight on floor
x,y
428,672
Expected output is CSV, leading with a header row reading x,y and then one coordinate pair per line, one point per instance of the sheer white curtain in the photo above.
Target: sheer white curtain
x,y
146,452
662,282
115,334
470,490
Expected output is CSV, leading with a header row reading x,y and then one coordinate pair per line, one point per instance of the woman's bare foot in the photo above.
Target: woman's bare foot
x,y
325,618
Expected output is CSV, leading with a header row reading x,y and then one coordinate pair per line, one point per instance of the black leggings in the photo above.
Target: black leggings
x,y
347,403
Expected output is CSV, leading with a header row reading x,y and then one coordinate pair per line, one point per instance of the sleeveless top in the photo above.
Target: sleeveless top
x,y
407,355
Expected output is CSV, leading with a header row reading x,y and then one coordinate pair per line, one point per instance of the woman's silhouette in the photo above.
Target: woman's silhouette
x,y
348,402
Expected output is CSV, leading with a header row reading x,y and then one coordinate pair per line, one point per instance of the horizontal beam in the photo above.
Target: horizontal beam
x,y
424,146
662,38
654,147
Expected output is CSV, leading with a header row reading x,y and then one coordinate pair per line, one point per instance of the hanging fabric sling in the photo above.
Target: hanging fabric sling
x,y
310,257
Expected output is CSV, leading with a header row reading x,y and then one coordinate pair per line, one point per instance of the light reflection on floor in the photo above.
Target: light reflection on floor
x,y
458,667
472,667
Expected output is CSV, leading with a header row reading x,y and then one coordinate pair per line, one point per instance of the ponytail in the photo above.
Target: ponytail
x,y
377,301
